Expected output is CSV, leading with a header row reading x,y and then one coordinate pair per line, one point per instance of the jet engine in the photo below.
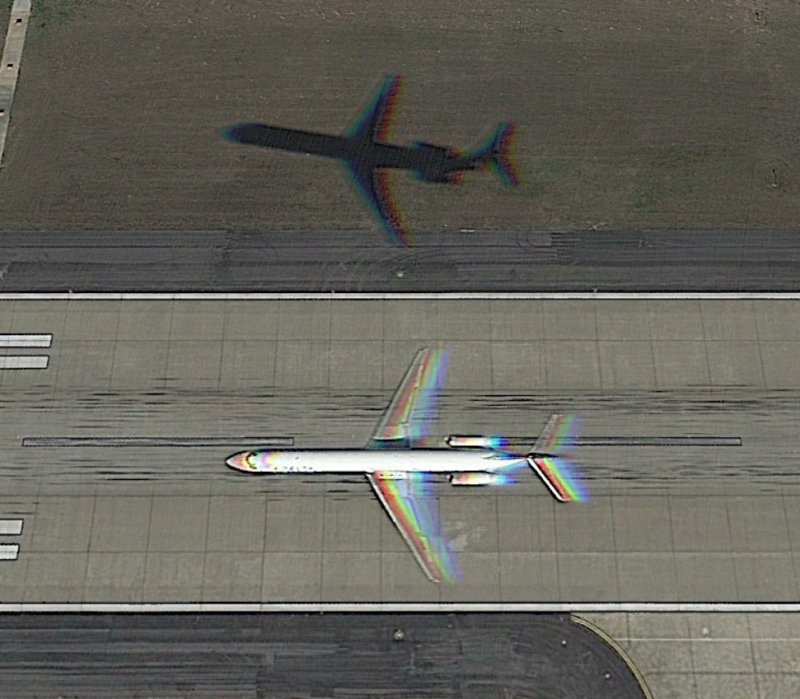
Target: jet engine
x,y
472,478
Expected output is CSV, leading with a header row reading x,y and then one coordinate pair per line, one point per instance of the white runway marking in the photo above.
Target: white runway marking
x,y
390,607
9,552
26,340
10,527
410,296
24,362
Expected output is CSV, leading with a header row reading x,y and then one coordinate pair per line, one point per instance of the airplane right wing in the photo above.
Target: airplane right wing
x,y
415,513
373,186
414,403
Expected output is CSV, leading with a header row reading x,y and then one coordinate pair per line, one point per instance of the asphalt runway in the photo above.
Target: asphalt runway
x,y
601,260
226,656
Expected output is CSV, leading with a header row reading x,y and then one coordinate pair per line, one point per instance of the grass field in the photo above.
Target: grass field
x,y
639,114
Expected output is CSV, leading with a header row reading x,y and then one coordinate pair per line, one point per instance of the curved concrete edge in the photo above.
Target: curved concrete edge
x,y
594,628
9,68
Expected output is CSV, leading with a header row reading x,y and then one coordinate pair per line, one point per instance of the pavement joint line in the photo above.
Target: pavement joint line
x,y
399,607
406,296
12,57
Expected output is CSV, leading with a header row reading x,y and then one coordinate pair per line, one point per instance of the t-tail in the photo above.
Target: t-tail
x,y
497,154
548,461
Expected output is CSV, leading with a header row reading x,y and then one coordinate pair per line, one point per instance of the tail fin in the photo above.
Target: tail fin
x,y
547,460
497,154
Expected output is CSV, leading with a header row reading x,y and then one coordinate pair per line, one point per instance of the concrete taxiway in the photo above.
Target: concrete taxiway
x,y
165,521
604,260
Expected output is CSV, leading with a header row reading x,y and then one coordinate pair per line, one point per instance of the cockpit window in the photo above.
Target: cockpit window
x,y
250,460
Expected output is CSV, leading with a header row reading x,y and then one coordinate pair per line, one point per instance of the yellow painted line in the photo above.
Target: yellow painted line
x,y
9,68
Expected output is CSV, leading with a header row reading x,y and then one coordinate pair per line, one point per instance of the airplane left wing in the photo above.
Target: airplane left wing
x,y
415,512
414,404
376,120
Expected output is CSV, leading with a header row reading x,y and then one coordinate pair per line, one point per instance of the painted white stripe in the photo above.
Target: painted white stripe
x,y
411,296
26,340
10,527
395,607
38,361
9,552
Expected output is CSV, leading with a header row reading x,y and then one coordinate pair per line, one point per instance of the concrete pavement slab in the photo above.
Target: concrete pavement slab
x,y
63,525
480,578
525,576
724,321
303,364
766,576
197,321
586,528
584,576
470,523
464,320
734,363
517,321
642,524
758,524
351,525
352,577
699,524
572,364
139,364
84,364
295,524
173,576
357,321
304,320
520,363
120,524
400,578
781,369
97,321
627,365
288,577
706,576
681,320
232,577
236,523
250,320
355,365
248,364
569,320
145,320
647,575
680,363
178,524
54,577
621,320
526,524
114,577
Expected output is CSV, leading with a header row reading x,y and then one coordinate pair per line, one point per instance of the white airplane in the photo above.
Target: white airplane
x,y
400,469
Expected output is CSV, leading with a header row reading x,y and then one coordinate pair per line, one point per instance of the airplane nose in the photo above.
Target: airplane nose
x,y
236,461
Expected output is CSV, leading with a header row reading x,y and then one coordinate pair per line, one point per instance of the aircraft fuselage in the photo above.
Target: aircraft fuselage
x,y
369,461
432,162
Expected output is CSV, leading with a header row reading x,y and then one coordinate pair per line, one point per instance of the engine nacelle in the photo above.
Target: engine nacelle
x,y
472,478
467,441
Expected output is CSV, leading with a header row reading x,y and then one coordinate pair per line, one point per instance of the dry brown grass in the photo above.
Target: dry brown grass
x,y
642,114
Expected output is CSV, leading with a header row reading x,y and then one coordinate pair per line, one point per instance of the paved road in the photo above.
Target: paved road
x,y
361,261
301,656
